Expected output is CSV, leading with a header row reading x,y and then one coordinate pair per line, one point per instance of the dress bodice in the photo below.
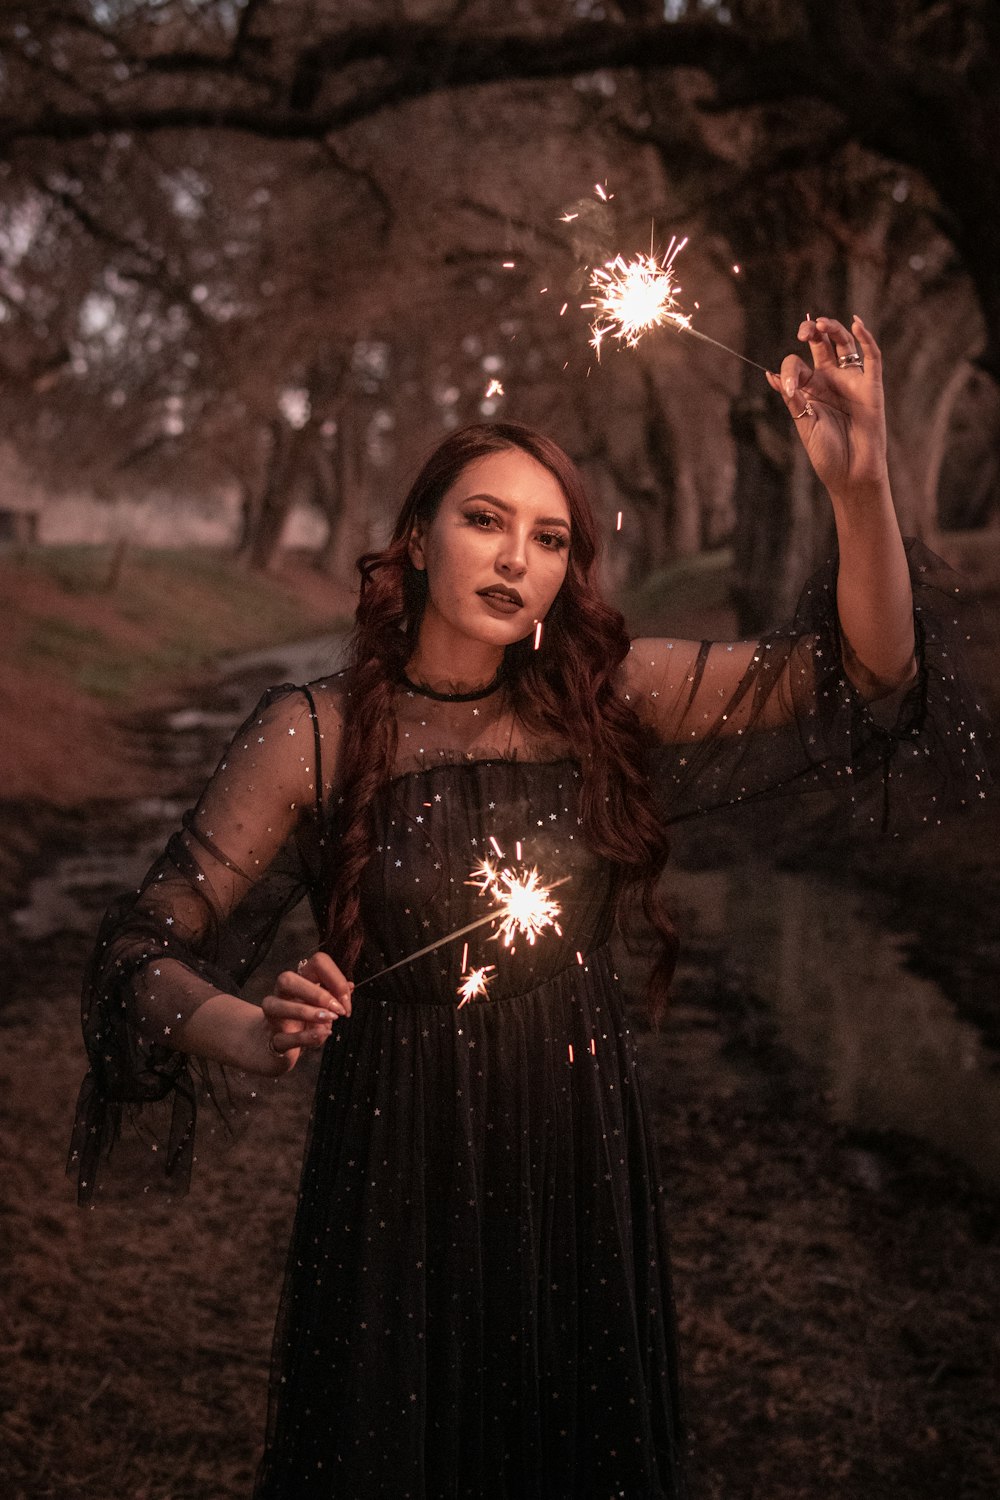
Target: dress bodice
x,y
434,829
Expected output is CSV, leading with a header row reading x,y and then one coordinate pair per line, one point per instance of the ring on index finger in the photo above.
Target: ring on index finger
x,y
853,361
807,411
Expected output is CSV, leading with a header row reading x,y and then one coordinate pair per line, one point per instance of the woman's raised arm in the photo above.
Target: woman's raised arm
x,y
881,622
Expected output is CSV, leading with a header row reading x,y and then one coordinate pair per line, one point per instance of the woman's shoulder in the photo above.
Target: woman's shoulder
x,y
296,722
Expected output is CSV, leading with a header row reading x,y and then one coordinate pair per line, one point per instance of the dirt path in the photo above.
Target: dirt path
x,y
836,1295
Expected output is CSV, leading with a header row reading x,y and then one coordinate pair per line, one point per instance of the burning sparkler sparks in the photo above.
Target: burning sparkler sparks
x,y
474,984
633,296
495,388
523,905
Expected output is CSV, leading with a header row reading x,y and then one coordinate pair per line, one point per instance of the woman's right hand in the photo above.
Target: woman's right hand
x,y
301,1011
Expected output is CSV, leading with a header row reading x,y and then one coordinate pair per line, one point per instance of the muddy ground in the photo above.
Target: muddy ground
x,y
836,1291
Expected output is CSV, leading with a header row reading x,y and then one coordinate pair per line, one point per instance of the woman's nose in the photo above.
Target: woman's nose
x,y
512,555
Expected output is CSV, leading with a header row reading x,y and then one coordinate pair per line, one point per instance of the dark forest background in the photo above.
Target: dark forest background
x,y
256,257
259,247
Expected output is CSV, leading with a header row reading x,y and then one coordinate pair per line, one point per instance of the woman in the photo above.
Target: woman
x,y
477,1297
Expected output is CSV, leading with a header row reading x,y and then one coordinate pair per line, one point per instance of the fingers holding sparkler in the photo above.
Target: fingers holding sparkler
x,y
838,404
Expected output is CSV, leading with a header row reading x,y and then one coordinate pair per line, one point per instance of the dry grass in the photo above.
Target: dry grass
x,y
76,660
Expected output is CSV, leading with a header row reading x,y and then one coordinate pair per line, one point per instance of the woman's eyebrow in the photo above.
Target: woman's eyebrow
x,y
510,509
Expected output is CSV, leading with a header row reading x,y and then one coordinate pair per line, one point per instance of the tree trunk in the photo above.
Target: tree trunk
x,y
328,496
782,522
275,500
930,365
347,507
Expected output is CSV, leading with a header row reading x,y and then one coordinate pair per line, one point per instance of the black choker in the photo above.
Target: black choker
x,y
426,692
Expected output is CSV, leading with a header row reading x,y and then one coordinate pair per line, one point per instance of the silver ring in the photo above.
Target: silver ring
x,y
850,362
301,964
807,411
270,1045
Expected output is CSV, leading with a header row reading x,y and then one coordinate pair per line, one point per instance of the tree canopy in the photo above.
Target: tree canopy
x,y
274,242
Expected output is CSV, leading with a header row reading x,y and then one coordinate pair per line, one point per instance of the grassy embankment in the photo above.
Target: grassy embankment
x,y
78,658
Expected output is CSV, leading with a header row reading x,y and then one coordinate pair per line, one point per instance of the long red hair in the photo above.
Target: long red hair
x,y
567,687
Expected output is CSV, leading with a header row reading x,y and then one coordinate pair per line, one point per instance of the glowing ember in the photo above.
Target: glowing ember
x,y
538,634
526,906
484,875
474,984
633,296
493,389
523,905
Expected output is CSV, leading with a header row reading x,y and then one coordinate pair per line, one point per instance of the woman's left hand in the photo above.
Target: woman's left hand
x,y
839,410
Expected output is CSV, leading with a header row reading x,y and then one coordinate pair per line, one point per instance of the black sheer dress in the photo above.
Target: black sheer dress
x,y
477,1298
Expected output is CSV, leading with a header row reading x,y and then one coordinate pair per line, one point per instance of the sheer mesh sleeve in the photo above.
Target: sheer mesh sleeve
x,y
199,924
735,722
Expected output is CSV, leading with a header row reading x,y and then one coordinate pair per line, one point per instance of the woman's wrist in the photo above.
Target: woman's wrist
x,y
230,1031
863,497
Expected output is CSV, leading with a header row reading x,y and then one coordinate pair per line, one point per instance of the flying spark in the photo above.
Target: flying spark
x,y
493,389
474,984
538,634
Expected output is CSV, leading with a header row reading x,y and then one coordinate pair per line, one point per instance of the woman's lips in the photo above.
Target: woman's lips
x,y
502,602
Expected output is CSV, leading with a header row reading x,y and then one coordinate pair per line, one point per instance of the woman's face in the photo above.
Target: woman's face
x,y
496,551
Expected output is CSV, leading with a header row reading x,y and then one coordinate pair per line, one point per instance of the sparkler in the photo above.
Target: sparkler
x,y
633,296
474,984
629,296
523,905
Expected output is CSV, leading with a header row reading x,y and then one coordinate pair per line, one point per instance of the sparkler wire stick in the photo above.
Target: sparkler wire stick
x,y
697,333
491,916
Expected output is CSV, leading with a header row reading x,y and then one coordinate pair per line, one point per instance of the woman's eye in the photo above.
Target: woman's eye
x,y
484,519
555,540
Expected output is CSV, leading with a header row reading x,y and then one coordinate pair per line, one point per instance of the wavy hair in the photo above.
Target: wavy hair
x,y
567,686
